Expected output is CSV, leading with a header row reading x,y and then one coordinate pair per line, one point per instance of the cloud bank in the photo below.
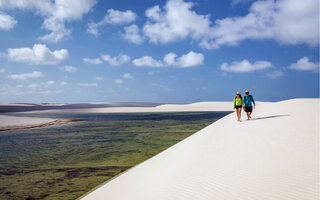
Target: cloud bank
x,y
288,22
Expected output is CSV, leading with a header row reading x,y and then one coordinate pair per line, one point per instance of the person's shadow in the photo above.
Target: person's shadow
x,y
268,117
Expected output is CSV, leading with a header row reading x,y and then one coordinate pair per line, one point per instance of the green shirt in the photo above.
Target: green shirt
x,y
238,102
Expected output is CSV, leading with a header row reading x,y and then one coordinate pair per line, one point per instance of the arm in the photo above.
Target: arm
x,y
254,103
234,103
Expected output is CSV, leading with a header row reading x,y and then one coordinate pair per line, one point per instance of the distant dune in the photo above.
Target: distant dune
x,y
22,107
138,107
274,156
11,122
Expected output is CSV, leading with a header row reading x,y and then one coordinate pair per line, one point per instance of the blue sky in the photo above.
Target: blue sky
x,y
174,51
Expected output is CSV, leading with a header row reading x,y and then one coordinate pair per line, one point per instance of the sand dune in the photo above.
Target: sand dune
x,y
23,107
11,122
274,156
202,106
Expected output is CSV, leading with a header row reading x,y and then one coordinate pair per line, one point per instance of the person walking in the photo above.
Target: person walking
x,y
238,104
248,101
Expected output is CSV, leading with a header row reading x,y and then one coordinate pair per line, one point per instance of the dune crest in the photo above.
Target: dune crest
x,y
273,156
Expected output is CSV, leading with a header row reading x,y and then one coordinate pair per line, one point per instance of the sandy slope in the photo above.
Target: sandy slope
x,y
274,157
202,106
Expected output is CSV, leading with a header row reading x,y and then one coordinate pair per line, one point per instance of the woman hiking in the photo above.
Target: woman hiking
x,y
237,104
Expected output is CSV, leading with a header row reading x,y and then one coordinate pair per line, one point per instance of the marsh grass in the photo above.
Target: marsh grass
x,y
66,161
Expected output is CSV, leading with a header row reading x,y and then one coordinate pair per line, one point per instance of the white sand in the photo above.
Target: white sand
x,y
202,106
9,121
274,157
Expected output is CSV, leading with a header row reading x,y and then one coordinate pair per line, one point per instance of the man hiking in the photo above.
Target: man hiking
x,y
248,101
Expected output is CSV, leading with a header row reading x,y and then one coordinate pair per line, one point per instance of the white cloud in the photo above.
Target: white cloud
x,y
119,17
94,61
88,84
62,11
7,22
175,22
33,85
55,14
99,78
147,61
2,70
274,74
24,76
113,17
92,28
245,66
305,65
118,81
68,68
286,21
116,61
127,76
63,83
38,55
132,34
50,82
187,60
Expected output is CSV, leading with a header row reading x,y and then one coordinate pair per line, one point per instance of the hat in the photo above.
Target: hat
x,y
246,91
238,92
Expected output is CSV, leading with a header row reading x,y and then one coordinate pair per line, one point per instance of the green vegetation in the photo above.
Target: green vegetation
x,y
66,161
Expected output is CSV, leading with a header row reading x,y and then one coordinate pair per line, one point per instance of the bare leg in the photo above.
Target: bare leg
x,y
239,114
248,115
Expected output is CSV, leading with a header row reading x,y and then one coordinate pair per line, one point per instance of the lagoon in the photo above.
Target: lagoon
x,y
66,161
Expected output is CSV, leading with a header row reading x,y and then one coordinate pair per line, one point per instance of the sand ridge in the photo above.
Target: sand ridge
x,y
274,156
193,107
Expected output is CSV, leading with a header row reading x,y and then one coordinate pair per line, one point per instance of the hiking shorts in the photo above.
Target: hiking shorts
x,y
248,109
238,107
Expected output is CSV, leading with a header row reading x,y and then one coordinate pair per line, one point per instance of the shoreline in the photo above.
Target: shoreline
x,y
37,125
